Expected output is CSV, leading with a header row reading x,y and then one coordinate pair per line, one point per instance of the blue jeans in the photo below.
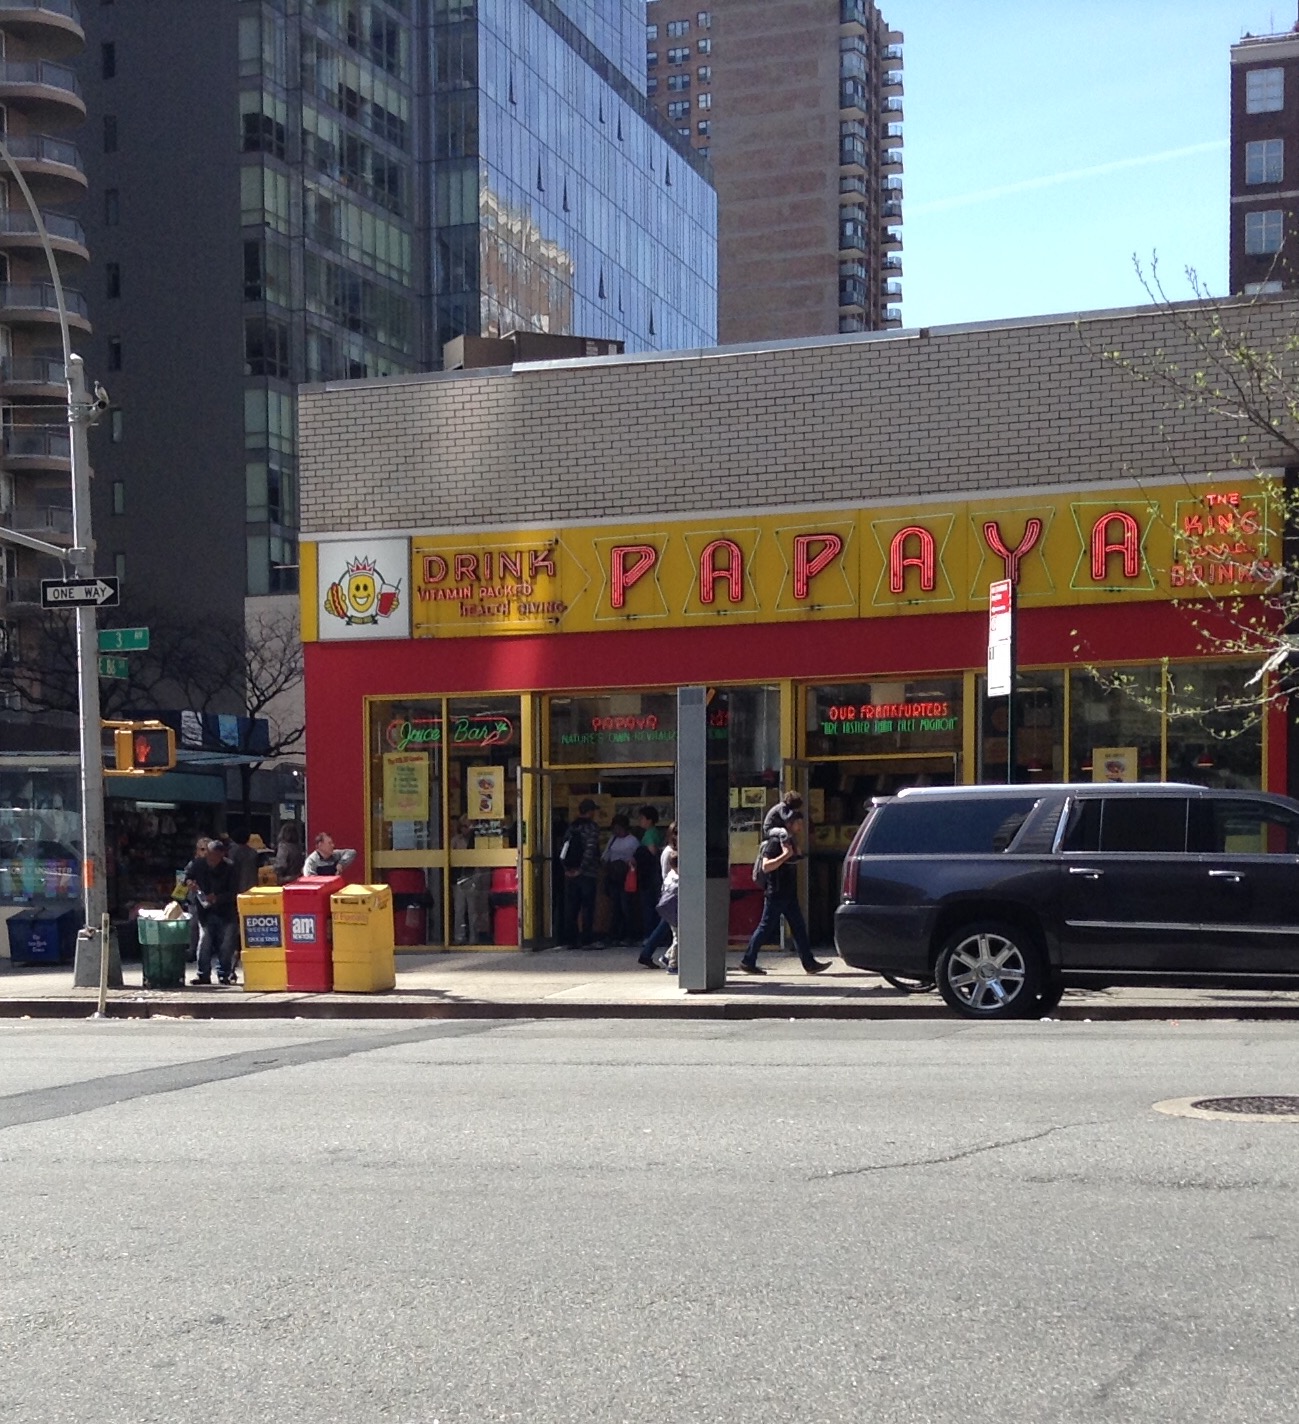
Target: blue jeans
x,y
660,935
768,931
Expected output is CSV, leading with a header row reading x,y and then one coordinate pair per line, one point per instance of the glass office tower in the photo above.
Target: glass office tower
x,y
561,202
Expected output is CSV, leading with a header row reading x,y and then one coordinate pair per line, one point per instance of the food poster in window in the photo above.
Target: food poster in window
x,y
406,786
486,794
1116,764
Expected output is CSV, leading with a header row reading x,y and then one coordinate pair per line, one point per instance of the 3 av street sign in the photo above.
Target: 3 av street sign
x,y
123,640
80,593
114,667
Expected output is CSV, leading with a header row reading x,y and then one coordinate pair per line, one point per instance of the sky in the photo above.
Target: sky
x,y
1048,142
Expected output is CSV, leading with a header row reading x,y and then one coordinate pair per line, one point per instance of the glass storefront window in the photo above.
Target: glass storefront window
x,y
40,834
1039,729
878,718
482,769
1215,725
1115,724
617,729
405,775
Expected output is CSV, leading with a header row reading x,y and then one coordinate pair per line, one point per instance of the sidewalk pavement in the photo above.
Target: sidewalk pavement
x,y
604,984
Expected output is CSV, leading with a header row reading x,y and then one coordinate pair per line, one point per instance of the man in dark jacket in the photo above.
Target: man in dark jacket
x,y
216,886
780,853
581,876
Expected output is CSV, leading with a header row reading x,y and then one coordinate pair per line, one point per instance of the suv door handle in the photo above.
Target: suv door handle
x,y
1086,872
1233,875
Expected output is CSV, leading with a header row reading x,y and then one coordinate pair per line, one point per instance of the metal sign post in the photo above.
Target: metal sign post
x,y
1002,658
703,832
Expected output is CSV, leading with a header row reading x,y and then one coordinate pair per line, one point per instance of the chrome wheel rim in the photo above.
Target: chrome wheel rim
x,y
986,972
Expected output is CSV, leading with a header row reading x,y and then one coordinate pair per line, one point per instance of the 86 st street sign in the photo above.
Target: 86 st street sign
x,y
80,593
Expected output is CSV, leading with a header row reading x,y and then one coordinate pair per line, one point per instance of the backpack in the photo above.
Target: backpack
x,y
760,877
570,853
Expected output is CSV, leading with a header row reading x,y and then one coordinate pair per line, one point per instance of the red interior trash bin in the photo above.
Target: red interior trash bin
x,y
503,898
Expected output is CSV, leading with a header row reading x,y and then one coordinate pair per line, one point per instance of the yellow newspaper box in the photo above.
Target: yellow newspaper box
x,y
261,935
363,939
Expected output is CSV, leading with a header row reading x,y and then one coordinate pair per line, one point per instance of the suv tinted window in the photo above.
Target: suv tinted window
x,y
978,826
1127,823
1247,828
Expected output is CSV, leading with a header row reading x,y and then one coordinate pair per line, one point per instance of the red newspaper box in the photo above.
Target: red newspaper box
x,y
308,943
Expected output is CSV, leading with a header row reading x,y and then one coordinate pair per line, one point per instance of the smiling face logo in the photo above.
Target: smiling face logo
x,y
362,594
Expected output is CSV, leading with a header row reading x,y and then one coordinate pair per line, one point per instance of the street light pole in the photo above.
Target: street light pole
x,y
82,413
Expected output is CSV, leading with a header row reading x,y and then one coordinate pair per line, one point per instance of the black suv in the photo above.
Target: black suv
x,y
1008,895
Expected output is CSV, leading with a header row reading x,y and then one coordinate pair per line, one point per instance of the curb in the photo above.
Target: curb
x,y
701,1008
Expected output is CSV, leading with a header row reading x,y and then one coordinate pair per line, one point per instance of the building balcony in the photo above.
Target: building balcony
x,y
52,166
891,107
892,185
890,288
37,447
893,54
18,229
891,210
50,522
36,302
891,83
892,316
891,160
51,26
25,377
893,263
49,93
892,240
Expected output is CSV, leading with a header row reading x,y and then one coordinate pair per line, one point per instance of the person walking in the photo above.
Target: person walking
x,y
662,931
214,879
191,896
580,855
244,859
649,867
667,905
289,855
780,855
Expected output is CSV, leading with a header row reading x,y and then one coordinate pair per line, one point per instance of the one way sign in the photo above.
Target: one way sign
x,y
79,593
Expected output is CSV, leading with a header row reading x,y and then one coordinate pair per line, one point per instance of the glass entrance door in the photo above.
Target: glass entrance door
x,y
541,882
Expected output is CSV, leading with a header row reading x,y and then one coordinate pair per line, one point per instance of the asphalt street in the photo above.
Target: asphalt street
x,y
612,1221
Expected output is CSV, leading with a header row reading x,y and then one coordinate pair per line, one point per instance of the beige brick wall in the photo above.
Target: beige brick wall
x,y
1016,405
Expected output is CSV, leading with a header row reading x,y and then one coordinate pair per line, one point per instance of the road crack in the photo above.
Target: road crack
x,y
952,1156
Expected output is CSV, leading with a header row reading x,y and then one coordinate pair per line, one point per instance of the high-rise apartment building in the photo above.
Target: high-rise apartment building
x,y
1265,163
40,106
798,104
311,190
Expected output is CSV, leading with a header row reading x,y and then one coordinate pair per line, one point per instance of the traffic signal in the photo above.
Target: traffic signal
x,y
143,747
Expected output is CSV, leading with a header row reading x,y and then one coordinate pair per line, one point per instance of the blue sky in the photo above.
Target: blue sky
x,y
1047,141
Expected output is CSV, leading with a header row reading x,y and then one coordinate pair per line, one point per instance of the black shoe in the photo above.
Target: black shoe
x,y
201,979
817,966
750,968
225,978
647,962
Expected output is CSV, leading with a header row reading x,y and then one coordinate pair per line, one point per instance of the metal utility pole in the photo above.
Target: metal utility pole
x,y
79,560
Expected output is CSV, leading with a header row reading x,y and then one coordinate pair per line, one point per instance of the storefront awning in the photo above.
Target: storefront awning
x,y
176,786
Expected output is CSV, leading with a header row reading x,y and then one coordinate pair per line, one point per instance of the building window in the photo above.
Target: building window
x,y
684,131
705,101
704,73
116,427
678,29
266,348
1264,90
651,85
114,353
704,126
108,60
705,46
678,83
651,32
112,207
704,19
119,567
1264,232
112,280
652,59
119,497
1265,161
679,109
110,133
1263,289
679,56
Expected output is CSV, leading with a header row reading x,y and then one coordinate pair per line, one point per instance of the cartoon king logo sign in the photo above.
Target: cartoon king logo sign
x,y
362,595
362,588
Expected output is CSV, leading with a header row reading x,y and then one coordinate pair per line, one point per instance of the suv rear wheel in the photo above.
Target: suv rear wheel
x,y
991,970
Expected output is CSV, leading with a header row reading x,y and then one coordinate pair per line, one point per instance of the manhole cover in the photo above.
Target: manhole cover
x,y
1255,1108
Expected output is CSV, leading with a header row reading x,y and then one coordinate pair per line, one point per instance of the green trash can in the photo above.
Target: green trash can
x,y
163,946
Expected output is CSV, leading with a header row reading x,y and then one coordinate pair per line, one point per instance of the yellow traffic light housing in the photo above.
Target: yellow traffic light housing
x,y
143,748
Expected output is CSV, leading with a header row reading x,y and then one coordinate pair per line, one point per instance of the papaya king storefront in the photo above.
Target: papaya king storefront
x,y
468,689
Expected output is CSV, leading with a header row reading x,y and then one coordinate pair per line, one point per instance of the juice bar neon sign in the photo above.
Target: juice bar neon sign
x,y
481,731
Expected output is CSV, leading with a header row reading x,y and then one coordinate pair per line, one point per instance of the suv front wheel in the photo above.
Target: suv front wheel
x,y
991,970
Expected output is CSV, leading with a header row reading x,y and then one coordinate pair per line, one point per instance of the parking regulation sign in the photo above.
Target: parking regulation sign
x,y
1001,637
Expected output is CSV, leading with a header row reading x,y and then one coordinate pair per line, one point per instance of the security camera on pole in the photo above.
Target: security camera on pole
x,y
97,962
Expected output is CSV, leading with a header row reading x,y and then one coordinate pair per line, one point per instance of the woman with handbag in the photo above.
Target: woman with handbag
x,y
619,863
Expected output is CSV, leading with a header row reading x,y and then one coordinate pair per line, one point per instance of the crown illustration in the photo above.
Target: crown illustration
x,y
360,566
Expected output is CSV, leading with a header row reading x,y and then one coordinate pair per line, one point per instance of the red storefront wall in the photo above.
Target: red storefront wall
x,y
340,675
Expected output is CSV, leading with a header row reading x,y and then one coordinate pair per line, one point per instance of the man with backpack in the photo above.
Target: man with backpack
x,y
580,857
775,867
